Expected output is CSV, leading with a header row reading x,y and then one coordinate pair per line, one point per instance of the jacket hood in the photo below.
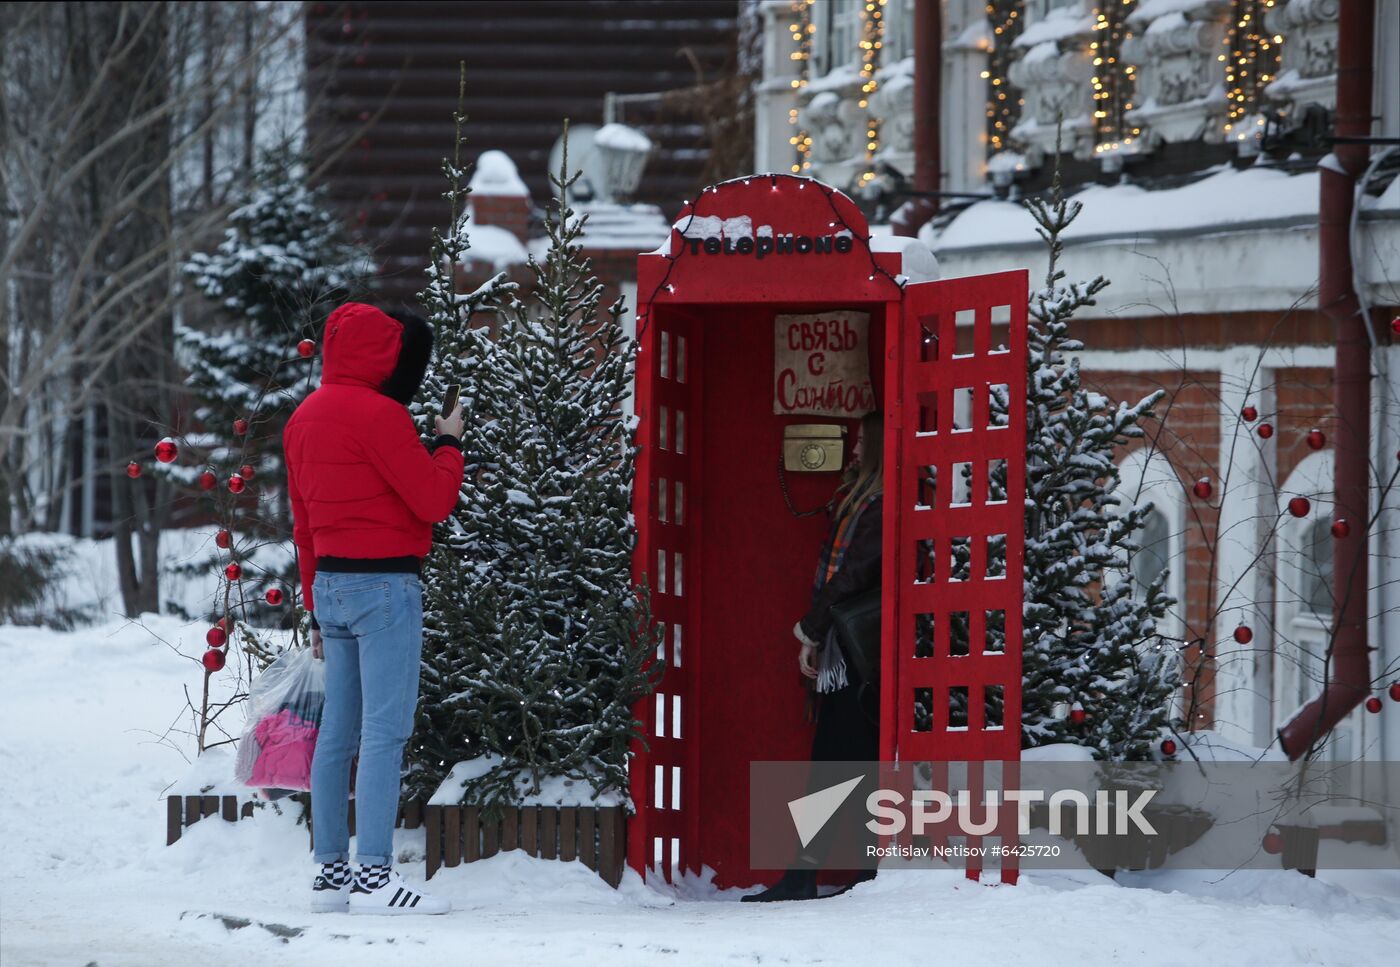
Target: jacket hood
x,y
364,346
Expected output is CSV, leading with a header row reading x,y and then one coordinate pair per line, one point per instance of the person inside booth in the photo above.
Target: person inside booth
x,y
839,637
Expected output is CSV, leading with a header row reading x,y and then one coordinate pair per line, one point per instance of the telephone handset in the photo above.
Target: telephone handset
x,y
810,448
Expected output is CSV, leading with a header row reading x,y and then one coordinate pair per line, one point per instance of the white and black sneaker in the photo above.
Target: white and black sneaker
x,y
380,890
330,891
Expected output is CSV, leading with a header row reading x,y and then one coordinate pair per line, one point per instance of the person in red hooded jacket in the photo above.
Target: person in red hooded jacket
x,y
365,493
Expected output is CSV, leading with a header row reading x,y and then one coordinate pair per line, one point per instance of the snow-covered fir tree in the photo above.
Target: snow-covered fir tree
x,y
1090,634
542,642
284,262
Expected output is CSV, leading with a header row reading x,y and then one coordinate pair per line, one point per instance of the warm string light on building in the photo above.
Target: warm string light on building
x,y
872,41
801,31
1252,56
1003,101
1114,82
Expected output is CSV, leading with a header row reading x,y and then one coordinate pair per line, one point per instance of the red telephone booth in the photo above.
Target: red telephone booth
x,y
729,566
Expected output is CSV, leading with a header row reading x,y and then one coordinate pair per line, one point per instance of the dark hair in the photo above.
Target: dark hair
x,y
415,351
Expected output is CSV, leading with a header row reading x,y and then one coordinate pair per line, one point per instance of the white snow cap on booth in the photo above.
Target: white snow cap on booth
x,y
496,175
917,263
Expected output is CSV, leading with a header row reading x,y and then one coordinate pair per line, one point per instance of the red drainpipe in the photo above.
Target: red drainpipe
x,y
928,92
1349,675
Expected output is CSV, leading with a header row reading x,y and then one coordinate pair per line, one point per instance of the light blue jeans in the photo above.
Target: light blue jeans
x,y
372,636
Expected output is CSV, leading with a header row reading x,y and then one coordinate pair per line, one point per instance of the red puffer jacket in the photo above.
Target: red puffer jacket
x,y
360,480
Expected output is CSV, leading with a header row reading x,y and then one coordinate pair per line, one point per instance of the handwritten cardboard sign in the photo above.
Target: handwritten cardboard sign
x,y
822,364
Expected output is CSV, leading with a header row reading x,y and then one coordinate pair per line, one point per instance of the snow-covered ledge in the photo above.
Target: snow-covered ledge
x,y
1053,76
1309,30
1180,83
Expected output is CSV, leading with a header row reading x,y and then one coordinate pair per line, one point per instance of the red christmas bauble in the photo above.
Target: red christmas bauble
x,y
1340,527
1299,506
225,623
1273,843
1250,414
274,596
223,538
246,471
306,348
1244,634
236,484
1076,713
1266,430
133,470
1168,747
167,451
1373,705
214,659
216,636
233,572
1316,439
207,480
1395,325
1395,691
1202,488
240,426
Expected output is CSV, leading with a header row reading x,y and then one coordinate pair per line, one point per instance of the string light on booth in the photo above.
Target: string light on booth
x,y
1113,82
1251,58
1003,101
872,41
801,31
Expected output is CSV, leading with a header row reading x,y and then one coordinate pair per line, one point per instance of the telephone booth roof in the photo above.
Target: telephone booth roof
x,y
769,238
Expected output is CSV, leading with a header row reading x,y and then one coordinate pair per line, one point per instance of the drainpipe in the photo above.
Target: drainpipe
x,y
928,92
1349,671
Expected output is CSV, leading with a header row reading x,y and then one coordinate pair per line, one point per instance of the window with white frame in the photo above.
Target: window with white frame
x,y
839,26
1147,477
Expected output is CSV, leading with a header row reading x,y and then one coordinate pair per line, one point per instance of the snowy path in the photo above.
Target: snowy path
x,y
90,881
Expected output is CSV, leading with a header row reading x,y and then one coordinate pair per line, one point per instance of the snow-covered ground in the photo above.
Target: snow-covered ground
x,y
88,879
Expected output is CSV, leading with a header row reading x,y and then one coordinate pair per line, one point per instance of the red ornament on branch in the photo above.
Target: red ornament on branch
x,y
233,572
240,426
223,538
1373,705
207,480
1202,488
1299,506
306,348
133,470
1265,430
274,596
1395,691
236,484
214,659
1250,414
1244,634
1273,843
1316,439
1076,713
167,451
246,471
1340,527
1168,747
1395,325
215,636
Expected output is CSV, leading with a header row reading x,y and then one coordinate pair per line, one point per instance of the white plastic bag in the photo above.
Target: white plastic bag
x,y
284,717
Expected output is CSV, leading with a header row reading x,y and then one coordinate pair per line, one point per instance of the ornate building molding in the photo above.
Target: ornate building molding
x,y
1181,81
1309,76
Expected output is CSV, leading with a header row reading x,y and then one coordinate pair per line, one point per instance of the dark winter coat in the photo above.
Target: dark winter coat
x,y
361,483
860,571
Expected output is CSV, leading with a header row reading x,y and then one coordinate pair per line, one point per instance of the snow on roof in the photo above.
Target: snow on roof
x,y
1224,199
496,175
1149,10
637,228
621,137
491,243
1058,24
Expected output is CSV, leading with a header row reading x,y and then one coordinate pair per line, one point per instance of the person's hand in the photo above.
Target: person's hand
x,y
804,661
316,650
452,423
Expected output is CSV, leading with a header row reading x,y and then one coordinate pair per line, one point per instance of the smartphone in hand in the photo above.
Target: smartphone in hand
x,y
449,402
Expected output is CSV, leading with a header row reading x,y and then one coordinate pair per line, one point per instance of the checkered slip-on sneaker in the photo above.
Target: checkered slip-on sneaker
x,y
330,891
380,890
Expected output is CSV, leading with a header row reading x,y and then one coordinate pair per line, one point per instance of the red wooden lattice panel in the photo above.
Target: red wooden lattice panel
x,y
663,776
958,682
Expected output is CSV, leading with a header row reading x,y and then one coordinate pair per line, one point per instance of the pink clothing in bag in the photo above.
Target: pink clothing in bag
x,y
286,744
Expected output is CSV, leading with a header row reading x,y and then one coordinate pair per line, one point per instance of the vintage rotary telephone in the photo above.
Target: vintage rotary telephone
x,y
810,448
